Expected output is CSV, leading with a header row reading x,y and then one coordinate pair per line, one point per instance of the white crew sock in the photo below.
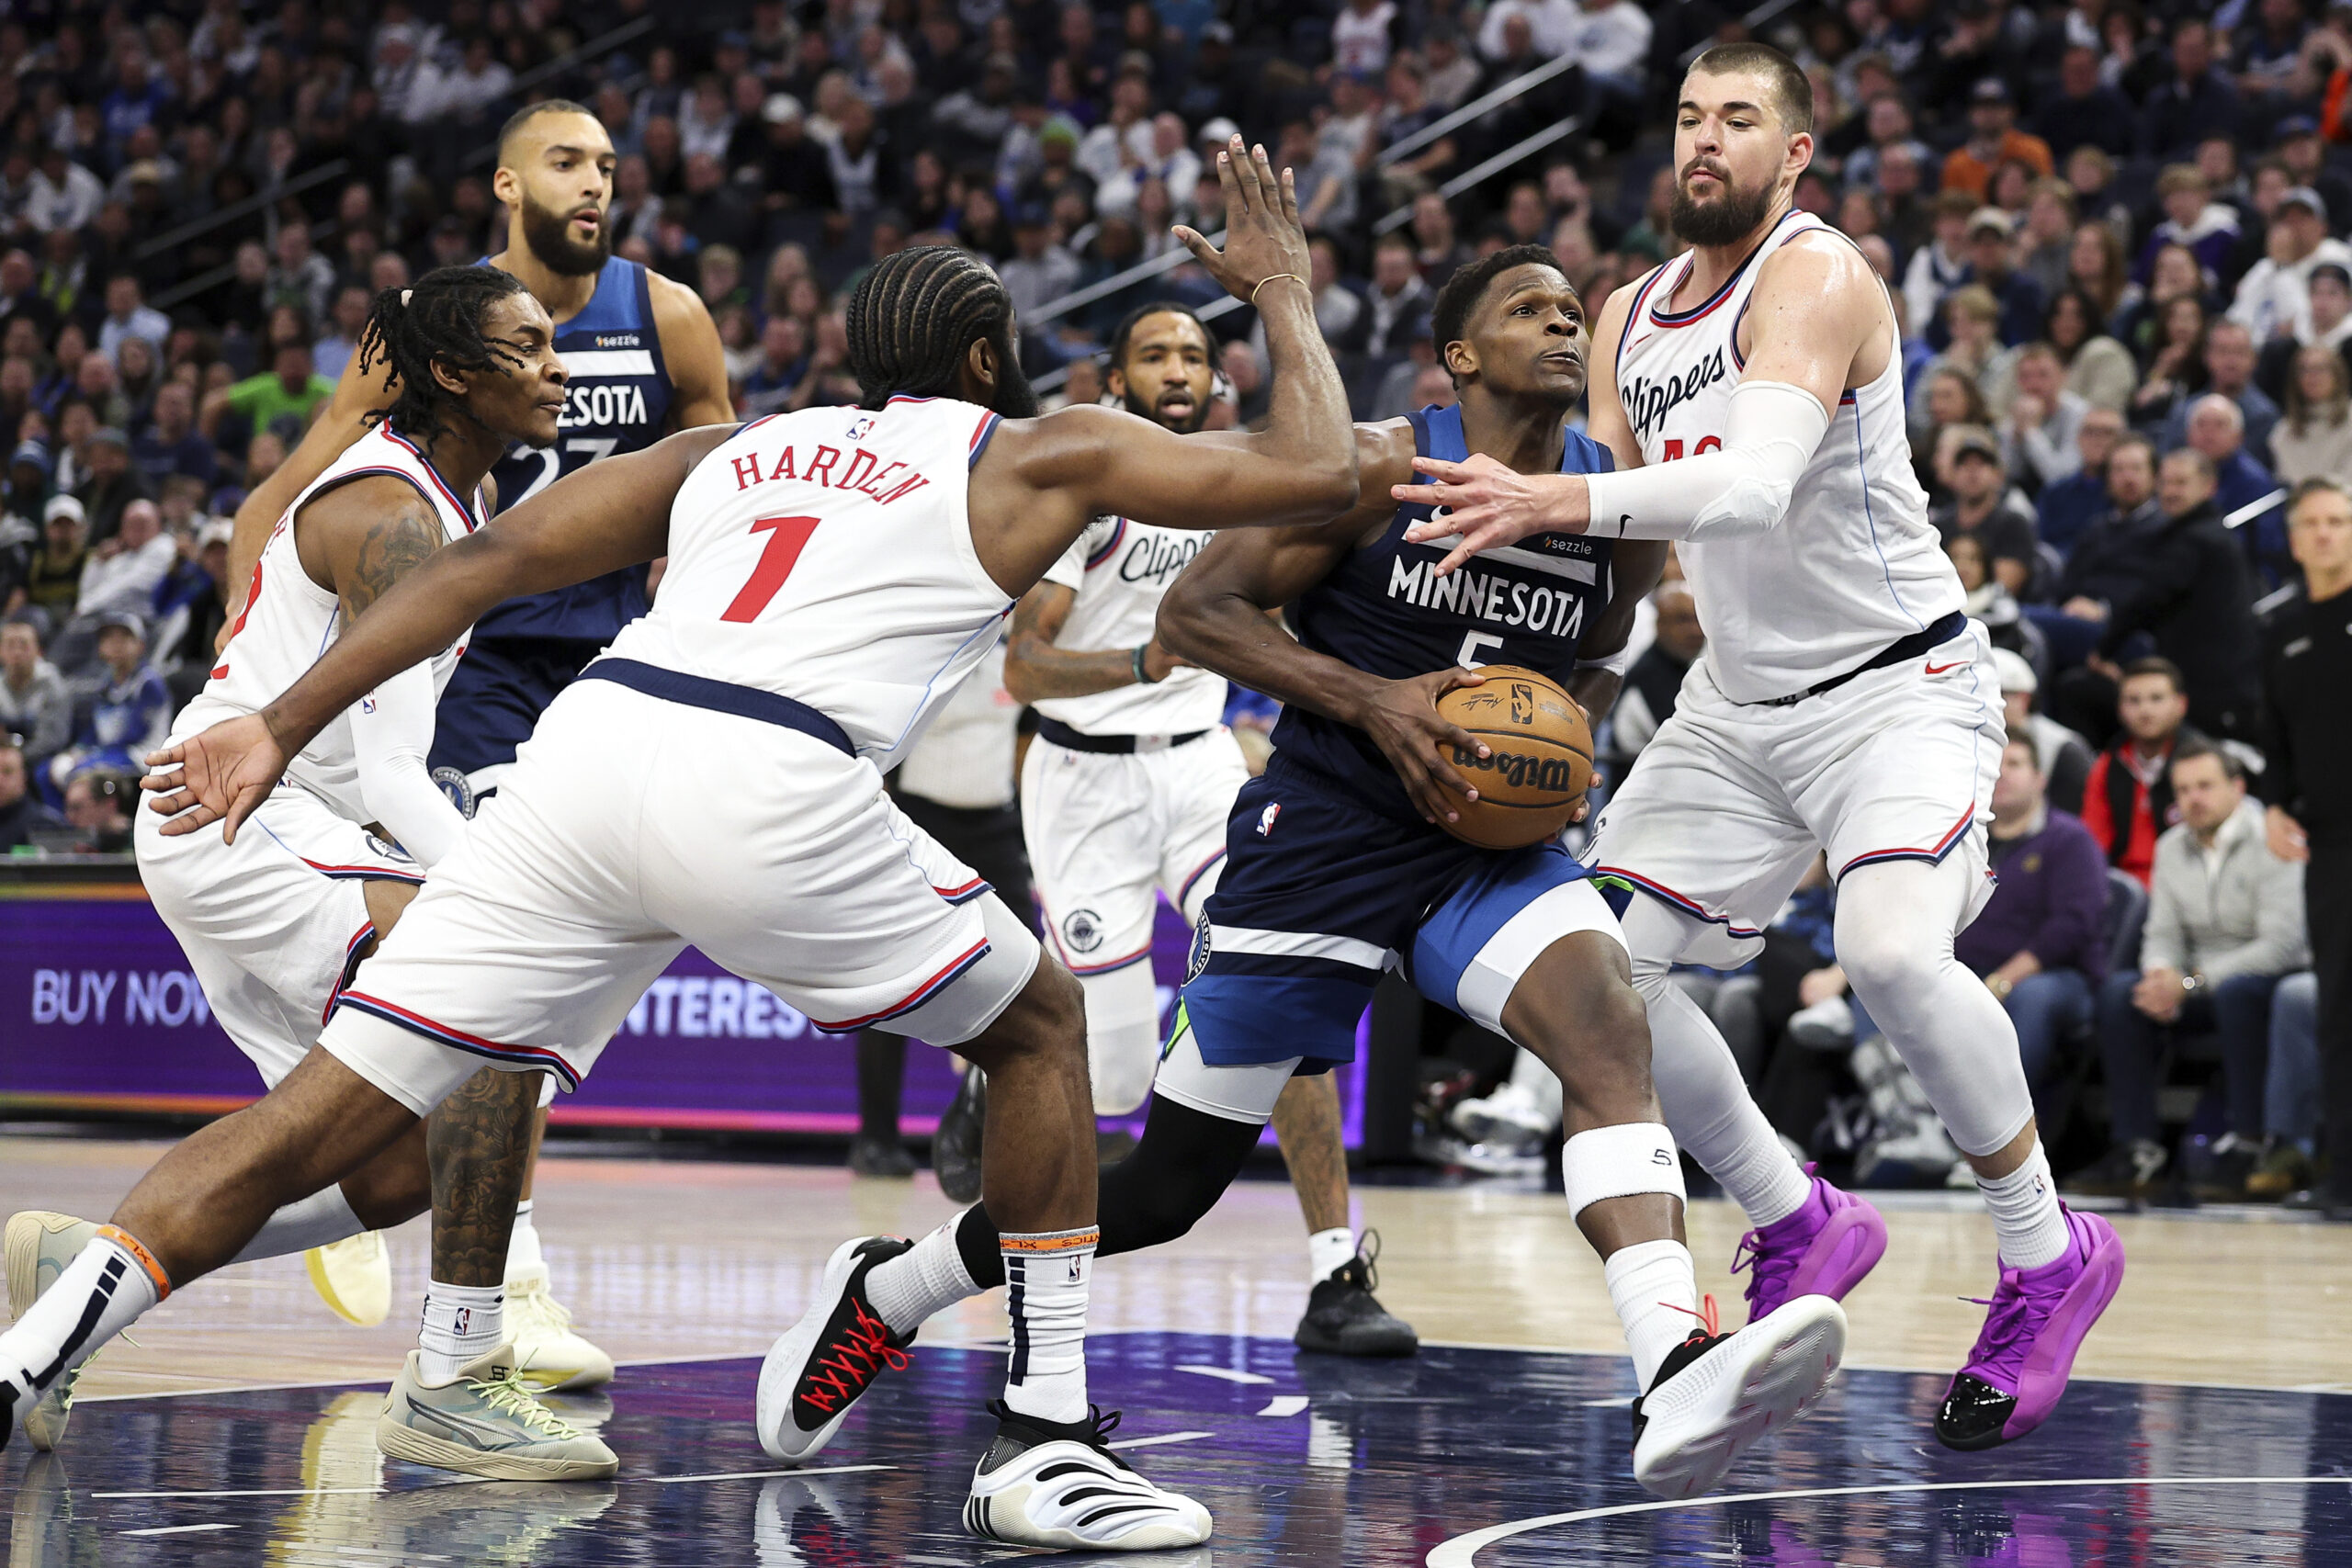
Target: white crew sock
x,y
2026,1216
1045,1277
103,1291
1656,1292
1327,1252
462,1322
523,1245
325,1216
1756,1169
928,1278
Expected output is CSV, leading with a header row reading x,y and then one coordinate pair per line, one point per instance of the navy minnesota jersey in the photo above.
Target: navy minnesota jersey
x,y
1383,609
618,400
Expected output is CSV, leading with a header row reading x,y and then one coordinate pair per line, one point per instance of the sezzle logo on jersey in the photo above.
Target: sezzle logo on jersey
x,y
1647,401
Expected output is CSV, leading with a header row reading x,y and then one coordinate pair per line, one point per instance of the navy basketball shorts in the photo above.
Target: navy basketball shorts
x,y
492,703
1320,896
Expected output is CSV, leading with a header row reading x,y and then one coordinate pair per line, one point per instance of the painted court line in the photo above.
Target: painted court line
x,y
178,1530
757,1474
1227,1373
1155,1443
1284,1405
1462,1552
262,1492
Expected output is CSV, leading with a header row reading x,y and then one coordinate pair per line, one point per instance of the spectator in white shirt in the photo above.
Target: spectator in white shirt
x,y
2038,442
1360,36
129,315
1611,39
64,193
1548,21
1123,139
122,573
2274,298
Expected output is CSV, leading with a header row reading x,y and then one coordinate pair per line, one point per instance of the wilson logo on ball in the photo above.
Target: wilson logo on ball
x,y
1550,775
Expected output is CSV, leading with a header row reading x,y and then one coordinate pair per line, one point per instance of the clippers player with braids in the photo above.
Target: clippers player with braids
x,y
1752,391
276,924
1125,796
644,360
1336,870
834,573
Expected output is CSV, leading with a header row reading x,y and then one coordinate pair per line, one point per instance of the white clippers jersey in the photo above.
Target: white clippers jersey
x,y
1119,569
289,622
826,556
1854,565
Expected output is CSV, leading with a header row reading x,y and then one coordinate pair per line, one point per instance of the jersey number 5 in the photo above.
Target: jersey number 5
x,y
787,538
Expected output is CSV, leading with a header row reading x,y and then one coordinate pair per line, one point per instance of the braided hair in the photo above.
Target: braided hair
x,y
1466,289
438,322
916,314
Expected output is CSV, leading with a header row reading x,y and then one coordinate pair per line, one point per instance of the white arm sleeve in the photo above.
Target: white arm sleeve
x,y
1770,434
392,731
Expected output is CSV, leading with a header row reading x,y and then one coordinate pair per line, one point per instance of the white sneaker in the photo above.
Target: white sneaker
x,y
354,1276
39,1245
486,1421
1509,1115
1056,1485
547,1354
1826,1025
1718,1394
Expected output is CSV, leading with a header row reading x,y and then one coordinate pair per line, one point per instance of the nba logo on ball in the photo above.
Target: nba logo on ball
x,y
1198,959
1266,819
1082,931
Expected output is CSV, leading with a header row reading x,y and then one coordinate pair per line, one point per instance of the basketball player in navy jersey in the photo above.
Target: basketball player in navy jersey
x,y
1337,869
644,359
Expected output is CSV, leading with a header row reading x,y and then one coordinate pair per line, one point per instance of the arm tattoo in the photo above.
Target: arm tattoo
x,y
391,547
1058,672
479,1143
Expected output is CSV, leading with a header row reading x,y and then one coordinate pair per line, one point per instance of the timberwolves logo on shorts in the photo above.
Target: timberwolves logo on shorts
x,y
452,783
1198,959
1082,931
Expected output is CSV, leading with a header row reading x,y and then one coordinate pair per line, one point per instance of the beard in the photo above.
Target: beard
x,y
1729,218
1192,423
1015,397
548,235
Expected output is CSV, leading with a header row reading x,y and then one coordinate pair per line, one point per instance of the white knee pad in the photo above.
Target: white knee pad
x,y
1237,1094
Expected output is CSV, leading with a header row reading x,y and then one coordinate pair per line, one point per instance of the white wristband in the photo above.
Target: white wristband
x,y
1615,663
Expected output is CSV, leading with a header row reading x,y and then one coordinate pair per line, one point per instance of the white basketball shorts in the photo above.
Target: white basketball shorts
x,y
634,825
1727,804
270,922
1106,830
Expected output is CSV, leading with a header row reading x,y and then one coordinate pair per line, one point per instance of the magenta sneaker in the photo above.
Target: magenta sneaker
x,y
1822,1249
2036,1322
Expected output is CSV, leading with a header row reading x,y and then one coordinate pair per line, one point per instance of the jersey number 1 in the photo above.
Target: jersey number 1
x,y
787,538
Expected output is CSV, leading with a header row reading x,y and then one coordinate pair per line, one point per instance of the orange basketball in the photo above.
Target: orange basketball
x,y
1539,761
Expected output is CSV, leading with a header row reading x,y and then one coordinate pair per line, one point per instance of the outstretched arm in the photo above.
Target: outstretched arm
x,y
1214,614
611,514
1035,668
1817,314
1042,479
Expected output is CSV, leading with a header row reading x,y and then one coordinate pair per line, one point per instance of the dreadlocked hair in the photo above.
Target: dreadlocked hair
x,y
915,315
1450,316
438,322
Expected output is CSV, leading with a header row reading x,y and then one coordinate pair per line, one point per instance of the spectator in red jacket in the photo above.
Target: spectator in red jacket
x,y
2127,800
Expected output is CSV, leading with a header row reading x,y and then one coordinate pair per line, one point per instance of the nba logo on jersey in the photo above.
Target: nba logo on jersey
x,y
1266,820
858,431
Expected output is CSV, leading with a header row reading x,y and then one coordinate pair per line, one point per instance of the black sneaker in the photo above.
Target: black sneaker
x,y
2127,1170
1344,1319
956,1147
879,1156
2224,1179
824,1362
